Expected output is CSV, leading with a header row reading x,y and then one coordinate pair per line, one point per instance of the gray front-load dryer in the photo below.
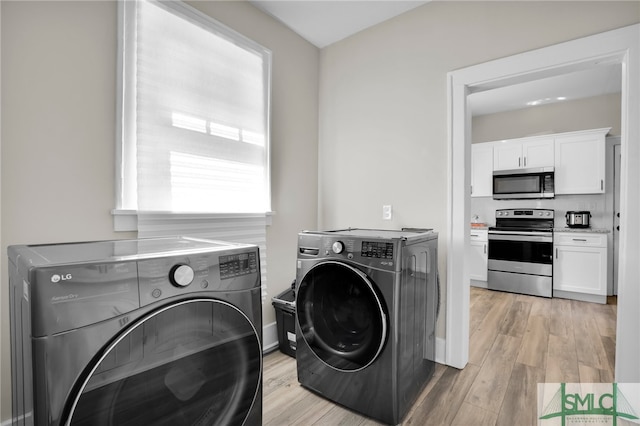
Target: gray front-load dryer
x,y
164,331
366,305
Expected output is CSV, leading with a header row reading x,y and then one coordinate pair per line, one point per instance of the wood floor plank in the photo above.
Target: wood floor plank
x,y
604,318
589,346
480,305
519,406
609,344
560,318
515,321
540,306
484,337
535,340
562,360
499,388
340,416
441,404
471,415
589,374
488,390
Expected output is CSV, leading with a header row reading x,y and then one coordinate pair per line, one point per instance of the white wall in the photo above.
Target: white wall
x,y
58,132
383,106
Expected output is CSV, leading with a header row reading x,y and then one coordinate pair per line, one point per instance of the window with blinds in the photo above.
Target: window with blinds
x,y
195,113
193,124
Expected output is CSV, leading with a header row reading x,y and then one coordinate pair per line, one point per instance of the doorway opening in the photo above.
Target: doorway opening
x,y
618,46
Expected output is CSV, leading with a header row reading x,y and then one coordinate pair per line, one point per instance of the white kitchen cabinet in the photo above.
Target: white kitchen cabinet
x,y
524,153
580,266
580,162
482,169
479,256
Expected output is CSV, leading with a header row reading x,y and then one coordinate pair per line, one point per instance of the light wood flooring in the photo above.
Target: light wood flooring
x,y
516,342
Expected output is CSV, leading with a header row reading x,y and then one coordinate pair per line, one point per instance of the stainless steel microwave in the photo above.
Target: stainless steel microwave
x,y
523,183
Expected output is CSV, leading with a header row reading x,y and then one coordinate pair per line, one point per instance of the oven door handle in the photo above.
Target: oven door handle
x,y
532,237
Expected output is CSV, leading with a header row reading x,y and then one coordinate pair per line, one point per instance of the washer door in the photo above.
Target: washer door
x,y
196,362
341,316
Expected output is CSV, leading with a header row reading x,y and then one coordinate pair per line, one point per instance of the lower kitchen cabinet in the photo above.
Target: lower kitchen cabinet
x,y
580,266
479,257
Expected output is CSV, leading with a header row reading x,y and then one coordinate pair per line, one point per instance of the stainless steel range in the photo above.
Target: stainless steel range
x,y
521,252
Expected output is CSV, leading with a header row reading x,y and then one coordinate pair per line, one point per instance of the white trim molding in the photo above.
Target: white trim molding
x,y
270,337
616,46
127,220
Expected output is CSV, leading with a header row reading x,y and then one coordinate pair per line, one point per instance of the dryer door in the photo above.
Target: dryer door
x,y
341,316
195,362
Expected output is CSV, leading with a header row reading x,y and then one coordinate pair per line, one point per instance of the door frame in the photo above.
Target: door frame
x,y
616,46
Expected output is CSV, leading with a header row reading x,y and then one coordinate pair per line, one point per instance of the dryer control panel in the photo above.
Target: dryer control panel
x,y
377,249
162,278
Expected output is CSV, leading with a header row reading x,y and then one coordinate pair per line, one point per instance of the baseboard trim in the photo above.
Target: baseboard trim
x,y
441,350
25,419
269,337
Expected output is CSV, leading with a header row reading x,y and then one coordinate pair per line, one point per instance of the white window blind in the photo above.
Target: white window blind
x,y
195,114
193,157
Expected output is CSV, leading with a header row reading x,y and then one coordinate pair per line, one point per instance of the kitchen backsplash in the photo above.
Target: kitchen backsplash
x,y
598,204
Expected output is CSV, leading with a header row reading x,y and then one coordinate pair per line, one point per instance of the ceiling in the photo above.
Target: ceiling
x,y
324,22
596,81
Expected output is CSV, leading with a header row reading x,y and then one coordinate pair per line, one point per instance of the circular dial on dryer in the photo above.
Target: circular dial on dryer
x,y
181,275
338,247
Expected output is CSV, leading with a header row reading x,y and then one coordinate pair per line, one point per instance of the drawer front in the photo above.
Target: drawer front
x,y
479,235
580,239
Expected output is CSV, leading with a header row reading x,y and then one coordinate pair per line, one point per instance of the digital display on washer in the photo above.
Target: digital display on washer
x,y
236,265
377,249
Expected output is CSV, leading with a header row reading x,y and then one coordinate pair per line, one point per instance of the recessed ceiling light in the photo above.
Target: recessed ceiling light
x,y
546,101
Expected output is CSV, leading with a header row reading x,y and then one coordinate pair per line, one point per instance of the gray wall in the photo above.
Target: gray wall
x,y
383,101
58,131
589,113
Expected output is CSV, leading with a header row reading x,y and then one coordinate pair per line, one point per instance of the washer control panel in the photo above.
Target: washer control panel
x,y
236,265
377,249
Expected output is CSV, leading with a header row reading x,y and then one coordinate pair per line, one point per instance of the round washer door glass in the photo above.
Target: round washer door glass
x,y
197,362
341,316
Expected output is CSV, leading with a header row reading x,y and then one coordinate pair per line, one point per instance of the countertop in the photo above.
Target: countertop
x,y
583,230
479,226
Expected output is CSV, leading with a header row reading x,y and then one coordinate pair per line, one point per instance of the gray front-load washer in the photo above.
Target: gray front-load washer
x,y
366,304
163,331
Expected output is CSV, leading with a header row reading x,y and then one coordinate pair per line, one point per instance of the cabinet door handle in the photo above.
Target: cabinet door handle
x,y
485,249
556,253
525,161
519,159
601,184
579,239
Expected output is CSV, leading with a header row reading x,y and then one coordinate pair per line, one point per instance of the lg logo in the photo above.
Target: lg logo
x,y
57,278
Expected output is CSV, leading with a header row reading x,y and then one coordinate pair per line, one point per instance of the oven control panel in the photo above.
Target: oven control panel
x,y
526,213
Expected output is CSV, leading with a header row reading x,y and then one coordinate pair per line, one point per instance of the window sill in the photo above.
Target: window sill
x,y
127,220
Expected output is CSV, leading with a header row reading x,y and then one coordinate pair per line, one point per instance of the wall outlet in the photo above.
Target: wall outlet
x,y
387,212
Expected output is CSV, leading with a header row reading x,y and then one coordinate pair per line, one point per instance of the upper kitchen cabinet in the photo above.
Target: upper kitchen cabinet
x,y
523,153
481,170
580,162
